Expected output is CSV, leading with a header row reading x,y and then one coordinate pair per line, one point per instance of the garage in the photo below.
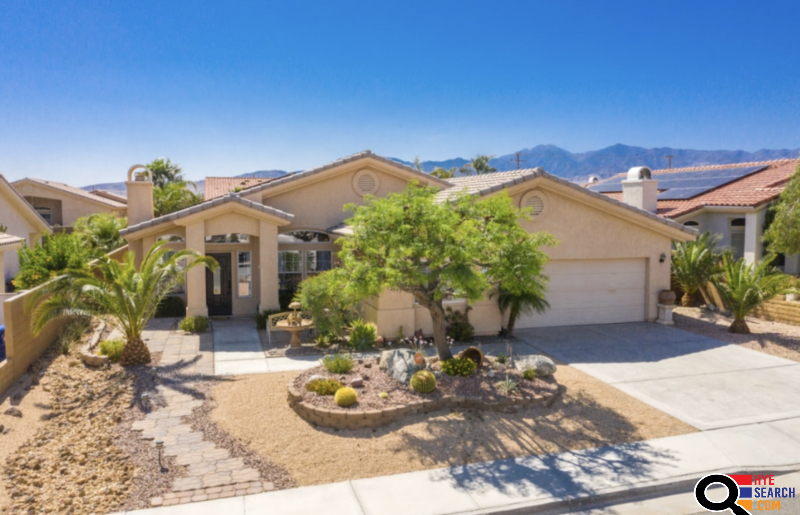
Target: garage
x,y
592,291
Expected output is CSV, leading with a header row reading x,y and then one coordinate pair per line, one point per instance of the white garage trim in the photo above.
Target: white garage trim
x,y
593,291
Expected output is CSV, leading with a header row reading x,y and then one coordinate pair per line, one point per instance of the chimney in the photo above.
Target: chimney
x,y
639,190
140,195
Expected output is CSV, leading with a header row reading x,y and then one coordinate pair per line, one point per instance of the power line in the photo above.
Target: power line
x,y
518,158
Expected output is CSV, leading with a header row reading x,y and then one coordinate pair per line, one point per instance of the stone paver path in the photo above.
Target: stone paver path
x,y
211,472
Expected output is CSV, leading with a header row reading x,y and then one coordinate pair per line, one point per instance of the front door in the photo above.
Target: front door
x,y
218,287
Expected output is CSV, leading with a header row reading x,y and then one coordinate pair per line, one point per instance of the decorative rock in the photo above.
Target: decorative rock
x,y
314,378
498,366
380,341
490,373
357,382
399,364
541,365
14,412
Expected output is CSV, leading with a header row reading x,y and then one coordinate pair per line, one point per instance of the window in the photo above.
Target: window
x,y
304,237
171,238
691,223
737,237
245,274
290,269
228,238
318,261
46,213
180,287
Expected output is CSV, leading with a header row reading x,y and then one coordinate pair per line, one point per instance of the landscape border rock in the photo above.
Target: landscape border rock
x,y
87,355
370,419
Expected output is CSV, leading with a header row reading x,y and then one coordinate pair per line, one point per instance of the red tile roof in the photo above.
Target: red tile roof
x,y
753,190
218,186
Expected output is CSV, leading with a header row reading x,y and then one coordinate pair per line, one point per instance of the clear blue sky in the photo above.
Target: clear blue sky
x,y
88,88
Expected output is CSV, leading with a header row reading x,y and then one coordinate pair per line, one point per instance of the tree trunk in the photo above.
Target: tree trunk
x,y
135,353
512,320
739,326
687,300
439,334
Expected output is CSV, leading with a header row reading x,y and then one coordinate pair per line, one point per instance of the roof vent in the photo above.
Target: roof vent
x,y
594,179
536,202
365,182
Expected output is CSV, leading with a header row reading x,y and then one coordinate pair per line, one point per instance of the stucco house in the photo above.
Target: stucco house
x,y
61,204
730,200
610,265
22,225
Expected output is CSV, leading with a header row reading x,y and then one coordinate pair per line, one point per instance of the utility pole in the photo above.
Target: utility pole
x,y
518,158
669,161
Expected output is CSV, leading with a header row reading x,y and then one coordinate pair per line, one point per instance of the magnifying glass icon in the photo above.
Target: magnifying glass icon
x,y
729,503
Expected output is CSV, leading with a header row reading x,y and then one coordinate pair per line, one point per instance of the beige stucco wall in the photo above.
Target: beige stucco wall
x,y
72,206
18,225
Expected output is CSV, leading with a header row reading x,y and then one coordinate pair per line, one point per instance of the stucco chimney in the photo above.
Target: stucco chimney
x,y
639,190
140,195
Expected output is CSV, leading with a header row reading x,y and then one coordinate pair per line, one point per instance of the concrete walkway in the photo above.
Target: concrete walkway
x,y
704,382
534,482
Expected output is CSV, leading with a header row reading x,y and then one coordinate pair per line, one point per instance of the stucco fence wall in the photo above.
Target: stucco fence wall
x,y
775,310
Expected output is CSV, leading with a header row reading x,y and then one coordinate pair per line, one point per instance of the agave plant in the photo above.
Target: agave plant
x,y
745,287
694,264
127,296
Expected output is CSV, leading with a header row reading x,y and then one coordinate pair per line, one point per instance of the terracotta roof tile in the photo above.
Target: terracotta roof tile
x,y
219,186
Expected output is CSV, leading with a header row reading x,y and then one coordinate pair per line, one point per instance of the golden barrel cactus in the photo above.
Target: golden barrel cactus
x,y
345,397
423,381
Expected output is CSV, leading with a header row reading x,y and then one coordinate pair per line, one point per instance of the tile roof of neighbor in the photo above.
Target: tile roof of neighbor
x,y
218,186
77,191
9,239
208,204
750,191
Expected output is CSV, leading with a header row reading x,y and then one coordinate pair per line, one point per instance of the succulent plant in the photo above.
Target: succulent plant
x,y
529,374
383,395
423,381
345,397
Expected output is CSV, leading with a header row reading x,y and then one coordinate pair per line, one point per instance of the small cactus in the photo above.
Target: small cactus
x,y
345,397
383,395
423,381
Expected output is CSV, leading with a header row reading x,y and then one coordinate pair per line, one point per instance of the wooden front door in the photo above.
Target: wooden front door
x,y
219,293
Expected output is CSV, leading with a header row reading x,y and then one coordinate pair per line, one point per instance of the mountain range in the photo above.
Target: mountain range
x,y
573,166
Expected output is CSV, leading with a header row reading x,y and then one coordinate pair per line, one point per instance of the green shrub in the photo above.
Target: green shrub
x,y
170,307
323,386
362,334
195,324
345,397
263,317
458,326
325,297
338,363
459,367
423,381
54,256
112,348
529,374
73,331
501,358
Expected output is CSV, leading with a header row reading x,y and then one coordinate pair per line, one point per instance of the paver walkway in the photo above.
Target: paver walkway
x,y
211,471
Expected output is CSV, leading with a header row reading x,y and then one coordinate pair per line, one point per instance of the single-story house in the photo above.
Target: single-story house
x,y
612,261
730,200
21,224
61,204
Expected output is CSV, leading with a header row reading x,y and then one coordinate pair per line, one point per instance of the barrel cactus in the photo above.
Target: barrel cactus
x,y
345,397
423,381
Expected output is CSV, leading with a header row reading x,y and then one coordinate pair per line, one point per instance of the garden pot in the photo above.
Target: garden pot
x,y
474,354
667,297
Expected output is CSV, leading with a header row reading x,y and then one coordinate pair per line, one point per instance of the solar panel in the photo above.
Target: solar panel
x,y
684,185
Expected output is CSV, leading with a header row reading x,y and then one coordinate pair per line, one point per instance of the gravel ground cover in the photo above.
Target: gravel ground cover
x,y
589,414
782,340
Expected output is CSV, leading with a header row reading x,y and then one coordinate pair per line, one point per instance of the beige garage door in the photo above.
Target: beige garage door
x,y
593,291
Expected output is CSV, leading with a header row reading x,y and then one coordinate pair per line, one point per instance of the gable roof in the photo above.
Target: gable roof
x,y
23,207
752,190
485,184
7,240
208,204
110,196
72,190
218,186
279,181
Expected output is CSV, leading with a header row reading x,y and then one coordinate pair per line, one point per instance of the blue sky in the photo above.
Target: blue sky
x,y
89,88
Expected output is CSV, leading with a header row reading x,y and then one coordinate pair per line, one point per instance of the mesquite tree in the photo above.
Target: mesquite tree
x,y
430,247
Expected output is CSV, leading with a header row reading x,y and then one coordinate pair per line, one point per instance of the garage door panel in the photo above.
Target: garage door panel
x,y
592,292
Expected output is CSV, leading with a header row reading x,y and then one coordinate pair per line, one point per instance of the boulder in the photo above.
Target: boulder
x,y
357,382
541,365
14,412
399,364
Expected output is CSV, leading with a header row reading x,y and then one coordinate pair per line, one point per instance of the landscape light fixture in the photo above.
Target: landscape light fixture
x,y
160,447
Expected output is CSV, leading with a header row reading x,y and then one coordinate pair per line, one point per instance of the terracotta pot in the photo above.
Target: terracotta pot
x,y
666,297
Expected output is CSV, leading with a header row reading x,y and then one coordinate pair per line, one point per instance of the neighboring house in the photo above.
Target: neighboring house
x,y
730,200
23,225
110,196
61,205
610,264
219,186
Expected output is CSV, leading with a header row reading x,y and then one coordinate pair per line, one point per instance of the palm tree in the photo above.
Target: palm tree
x,y
164,172
444,174
694,263
745,287
174,196
128,297
520,304
100,232
480,164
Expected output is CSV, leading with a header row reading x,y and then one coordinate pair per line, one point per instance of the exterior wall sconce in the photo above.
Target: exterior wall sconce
x,y
662,258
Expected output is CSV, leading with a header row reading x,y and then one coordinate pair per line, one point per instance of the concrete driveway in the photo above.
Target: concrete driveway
x,y
704,382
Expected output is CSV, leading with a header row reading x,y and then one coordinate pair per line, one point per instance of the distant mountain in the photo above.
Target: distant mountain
x,y
613,160
119,187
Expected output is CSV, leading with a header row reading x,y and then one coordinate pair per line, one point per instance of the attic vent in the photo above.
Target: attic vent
x,y
536,202
365,182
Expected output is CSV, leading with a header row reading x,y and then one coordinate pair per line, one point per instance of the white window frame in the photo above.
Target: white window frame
x,y
239,274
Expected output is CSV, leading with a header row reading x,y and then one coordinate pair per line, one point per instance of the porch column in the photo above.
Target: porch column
x,y
2,279
196,277
753,232
268,266
792,264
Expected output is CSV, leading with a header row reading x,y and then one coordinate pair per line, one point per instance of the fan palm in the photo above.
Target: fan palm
x,y
100,232
745,287
127,296
516,305
694,263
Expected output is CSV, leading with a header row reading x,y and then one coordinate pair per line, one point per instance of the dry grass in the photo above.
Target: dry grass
x,y
590,414
782,340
